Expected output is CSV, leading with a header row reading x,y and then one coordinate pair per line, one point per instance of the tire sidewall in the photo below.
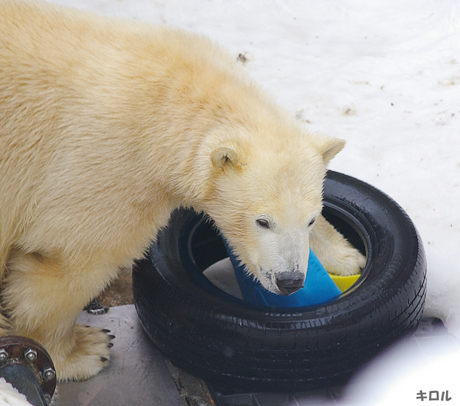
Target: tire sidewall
x,y
383,305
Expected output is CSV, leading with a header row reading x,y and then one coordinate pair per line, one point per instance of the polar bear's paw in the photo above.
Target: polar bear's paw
x,y
345,260
333,250
87,357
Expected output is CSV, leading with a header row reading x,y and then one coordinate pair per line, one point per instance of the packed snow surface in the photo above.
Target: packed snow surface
x,y
383,75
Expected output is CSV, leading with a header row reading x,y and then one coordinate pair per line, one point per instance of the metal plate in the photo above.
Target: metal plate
x,y
137,375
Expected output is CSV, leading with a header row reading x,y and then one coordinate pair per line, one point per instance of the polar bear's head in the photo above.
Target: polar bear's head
x,y
266,199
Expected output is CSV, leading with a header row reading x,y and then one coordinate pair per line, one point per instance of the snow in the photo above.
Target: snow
x,y
384,75
405,374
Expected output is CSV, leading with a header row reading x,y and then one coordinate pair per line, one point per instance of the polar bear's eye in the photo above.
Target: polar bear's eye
x,y
262,223
312,222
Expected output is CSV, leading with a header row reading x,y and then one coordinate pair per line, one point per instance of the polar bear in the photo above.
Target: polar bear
x,y
106,126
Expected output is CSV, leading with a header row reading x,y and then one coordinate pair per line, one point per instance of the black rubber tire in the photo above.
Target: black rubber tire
x,y
236,346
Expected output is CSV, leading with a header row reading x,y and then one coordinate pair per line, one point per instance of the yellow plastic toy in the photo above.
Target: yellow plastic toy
x,y
344,282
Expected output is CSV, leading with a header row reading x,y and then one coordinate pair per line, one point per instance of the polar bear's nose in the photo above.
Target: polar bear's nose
x,y
290,282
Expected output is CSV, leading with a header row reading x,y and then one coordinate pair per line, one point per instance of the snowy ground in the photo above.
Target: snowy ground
x,y
384,75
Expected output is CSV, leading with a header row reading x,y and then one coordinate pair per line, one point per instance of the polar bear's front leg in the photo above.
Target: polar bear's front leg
x,y
43,296
336,254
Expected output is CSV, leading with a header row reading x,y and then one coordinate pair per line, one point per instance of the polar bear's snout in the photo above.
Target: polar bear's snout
x,y
279,258
290,282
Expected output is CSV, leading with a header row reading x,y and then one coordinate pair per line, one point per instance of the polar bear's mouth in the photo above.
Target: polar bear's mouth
x,y
222,275
268,281
284,283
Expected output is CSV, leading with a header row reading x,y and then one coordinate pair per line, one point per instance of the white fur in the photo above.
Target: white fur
x,y
106,126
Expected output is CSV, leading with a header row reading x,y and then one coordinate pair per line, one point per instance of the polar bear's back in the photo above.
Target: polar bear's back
x,y
96,106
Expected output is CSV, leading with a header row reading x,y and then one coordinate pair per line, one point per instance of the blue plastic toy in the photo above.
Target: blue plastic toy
x,y
319,287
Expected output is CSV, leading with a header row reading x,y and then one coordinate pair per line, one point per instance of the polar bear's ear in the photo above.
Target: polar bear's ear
x,y
225,157
330,148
